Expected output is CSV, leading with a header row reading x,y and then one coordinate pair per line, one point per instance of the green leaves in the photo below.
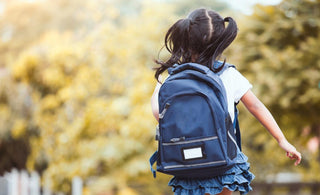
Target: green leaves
x,y
276,51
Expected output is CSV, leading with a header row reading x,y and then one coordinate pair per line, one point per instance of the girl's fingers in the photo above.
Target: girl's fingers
x,y
291,152
295,155
298,158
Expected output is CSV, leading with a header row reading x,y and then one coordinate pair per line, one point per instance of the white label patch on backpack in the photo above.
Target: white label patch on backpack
x,y
193,153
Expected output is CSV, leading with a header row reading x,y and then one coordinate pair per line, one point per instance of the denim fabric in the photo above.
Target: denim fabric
x,y
237,178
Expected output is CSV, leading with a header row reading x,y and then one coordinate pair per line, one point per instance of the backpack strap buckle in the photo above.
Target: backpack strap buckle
x,y
157,133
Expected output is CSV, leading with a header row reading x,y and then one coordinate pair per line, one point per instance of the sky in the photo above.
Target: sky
x,y
245,6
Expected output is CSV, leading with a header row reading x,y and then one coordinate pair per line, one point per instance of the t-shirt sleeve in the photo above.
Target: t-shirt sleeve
x,y
240,83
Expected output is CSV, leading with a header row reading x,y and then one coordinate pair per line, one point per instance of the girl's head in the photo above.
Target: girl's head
x,y
200,38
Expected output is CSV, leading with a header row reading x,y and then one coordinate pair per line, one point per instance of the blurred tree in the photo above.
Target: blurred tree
x,y
78,90
19,32
276,50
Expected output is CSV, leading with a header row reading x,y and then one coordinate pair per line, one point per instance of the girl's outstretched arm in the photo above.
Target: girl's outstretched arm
x,y
258,109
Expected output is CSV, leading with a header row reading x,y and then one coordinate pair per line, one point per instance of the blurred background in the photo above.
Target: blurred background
x,y
76,80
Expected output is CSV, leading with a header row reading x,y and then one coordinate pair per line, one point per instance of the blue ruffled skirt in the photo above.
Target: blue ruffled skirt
x,y
237,178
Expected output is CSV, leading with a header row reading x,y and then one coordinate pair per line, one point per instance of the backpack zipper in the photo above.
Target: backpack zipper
x,y
161,115
193,165
177,141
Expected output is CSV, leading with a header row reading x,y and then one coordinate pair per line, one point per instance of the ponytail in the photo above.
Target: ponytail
x,y
177,43
227,37
215,49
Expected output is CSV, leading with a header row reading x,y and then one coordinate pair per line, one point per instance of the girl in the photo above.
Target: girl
x,y
201,38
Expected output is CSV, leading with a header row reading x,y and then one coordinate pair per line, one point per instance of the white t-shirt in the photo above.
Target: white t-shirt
x,y
236,86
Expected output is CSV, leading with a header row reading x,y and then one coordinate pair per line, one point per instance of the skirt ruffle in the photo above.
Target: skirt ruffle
x,y
238,178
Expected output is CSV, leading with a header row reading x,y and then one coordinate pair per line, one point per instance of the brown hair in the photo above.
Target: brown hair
x,y
202,33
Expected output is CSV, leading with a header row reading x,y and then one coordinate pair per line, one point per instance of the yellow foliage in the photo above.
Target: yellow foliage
x,y
120,106
50,102
5,114
65,58
54,78
86,191
25,67
90,92
19,128
127,191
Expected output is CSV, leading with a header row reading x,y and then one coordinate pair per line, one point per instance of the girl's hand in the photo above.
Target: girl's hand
x,y
292,153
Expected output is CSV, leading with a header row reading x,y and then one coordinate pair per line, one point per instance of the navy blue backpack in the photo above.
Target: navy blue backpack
x,y
196,137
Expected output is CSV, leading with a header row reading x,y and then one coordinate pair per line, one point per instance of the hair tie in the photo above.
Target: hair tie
x,y
226,19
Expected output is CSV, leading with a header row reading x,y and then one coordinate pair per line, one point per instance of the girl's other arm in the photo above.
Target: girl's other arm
x,y
154,101
258,109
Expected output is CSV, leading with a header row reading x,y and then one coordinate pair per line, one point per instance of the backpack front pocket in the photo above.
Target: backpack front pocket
x,y
182,153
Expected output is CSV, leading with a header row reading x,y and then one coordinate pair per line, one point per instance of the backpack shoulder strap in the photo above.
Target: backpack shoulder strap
x,y
188,66
236,111
198,67
236,126
225,67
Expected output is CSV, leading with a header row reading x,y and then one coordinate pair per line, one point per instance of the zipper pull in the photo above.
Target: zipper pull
x,y
161,115
177,139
